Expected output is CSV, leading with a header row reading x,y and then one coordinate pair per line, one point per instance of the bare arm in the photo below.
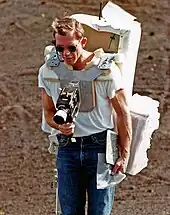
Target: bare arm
x,y
49,111
124,127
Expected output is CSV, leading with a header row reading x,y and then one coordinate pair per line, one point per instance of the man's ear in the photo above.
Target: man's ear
x,y
83,41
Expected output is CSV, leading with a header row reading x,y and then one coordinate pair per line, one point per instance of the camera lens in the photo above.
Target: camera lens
x,y
60,117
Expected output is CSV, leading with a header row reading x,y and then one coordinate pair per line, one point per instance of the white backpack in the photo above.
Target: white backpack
x,y
117,32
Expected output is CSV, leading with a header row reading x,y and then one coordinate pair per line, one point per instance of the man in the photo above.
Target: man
x,y
78,160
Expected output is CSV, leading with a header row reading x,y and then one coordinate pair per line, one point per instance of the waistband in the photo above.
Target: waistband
x,y
84,138
92,136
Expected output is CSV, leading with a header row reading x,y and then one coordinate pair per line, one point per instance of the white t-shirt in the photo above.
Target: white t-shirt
x,y
100,118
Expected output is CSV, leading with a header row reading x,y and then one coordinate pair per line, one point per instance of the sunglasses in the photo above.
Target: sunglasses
x,y
70,48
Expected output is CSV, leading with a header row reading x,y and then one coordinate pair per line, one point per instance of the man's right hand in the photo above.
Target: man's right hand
x,y
67,128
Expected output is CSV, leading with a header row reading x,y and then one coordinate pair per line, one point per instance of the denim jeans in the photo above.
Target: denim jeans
x,y
77,167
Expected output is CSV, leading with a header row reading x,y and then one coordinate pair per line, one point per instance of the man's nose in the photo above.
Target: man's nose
x,y
66,52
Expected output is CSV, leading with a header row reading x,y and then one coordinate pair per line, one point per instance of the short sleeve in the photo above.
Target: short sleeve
x,y
116,83
43,83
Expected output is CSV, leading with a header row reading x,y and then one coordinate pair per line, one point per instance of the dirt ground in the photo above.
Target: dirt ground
x,y
26,167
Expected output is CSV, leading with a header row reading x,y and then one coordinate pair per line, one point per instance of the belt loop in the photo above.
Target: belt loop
x,y
91,137
81,140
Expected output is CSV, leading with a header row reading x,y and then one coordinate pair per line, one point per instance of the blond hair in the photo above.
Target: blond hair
x,y
63,26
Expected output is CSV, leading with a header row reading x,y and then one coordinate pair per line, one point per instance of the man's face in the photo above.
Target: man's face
x,y
69,47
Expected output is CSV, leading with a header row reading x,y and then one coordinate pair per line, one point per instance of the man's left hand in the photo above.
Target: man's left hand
x,y
119,166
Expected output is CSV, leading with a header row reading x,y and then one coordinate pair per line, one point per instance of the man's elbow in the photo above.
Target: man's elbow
x,y
124,113
49,114
124,122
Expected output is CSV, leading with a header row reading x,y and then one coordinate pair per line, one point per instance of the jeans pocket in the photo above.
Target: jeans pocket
x,y
63,140
100,138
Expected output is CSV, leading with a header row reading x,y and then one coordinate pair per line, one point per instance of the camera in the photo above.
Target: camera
x,y
68,103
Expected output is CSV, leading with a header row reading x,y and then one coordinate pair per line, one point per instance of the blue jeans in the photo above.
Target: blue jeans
x,y
77,168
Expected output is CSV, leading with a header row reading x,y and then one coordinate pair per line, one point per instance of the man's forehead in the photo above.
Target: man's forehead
x,y
68,38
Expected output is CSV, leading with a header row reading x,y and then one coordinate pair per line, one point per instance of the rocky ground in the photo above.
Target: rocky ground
x,y
26,167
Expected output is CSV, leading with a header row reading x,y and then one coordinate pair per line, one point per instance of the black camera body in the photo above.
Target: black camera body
x,y
68,104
